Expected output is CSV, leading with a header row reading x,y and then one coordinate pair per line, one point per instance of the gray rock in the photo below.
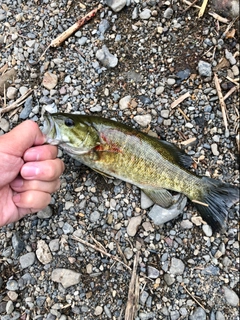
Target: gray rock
x,y
94,216
145,14
231,297
143,297
43,252
27,108
133,225
229,56
66,277
106,58
12,285
207,230
12,92
220,315
4,125
168,13
67,228
198,314
177,266
45,213
186,224
146,202
169,279
124,102
9,307
27,260
18,244
143,120
153,273
160,215
204,69
116,5
54,245
214,148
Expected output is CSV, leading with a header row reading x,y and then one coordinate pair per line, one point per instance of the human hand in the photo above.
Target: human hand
x,y
29,172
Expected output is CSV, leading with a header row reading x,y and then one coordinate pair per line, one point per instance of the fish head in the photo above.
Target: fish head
x,y
70,131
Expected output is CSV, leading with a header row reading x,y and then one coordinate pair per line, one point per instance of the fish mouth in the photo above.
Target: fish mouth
x,y
51,130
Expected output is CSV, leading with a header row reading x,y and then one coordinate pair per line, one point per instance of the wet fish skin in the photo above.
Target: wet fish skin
x,y
117,150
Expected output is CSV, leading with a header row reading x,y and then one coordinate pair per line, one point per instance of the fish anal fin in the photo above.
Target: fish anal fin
x,y
162,197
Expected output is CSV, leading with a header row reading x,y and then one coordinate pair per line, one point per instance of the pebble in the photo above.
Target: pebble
x,y
18,244
231,297
12,285
177,266
9,307
146,202
204,69
106,58
116,5
220,315
124,102
169,279
168,13
153,273
133,225
66,277
198,314
98,311
160,215
145,14
94,216
43,252
143,120
24,114
128,252
4,125
186,224
54,245
229,56
27,260
45,213
207,230
50,80
12,93
214,148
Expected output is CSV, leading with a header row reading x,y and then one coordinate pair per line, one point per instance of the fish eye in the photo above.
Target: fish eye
x,y
69,122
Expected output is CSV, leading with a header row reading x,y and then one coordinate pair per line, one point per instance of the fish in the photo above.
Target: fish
x,y
157,167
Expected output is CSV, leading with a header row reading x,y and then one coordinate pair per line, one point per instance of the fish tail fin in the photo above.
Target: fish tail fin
x,y
215,202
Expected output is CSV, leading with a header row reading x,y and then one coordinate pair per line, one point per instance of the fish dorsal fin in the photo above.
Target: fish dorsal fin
x,y
177,155
162,197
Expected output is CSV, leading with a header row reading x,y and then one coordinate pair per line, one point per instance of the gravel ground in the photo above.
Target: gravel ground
x,y
75,260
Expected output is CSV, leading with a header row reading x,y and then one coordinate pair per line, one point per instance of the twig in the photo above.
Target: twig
x,y
180,99
213,14
229,26
16,103
233,89
190,5
133,292
100,250
66,34
218,17
195,299
200,202
203,7
222,103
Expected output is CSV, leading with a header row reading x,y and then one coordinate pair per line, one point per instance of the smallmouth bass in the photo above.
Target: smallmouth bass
x,y
155,166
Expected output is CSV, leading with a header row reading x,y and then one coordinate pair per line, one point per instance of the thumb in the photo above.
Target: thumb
x,y
21,138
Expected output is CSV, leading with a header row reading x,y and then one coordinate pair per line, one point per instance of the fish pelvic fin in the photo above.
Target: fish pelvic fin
x,y
215,202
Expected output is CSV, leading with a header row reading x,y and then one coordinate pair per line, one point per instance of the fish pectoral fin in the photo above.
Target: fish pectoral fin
x,y
103,174
162,197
